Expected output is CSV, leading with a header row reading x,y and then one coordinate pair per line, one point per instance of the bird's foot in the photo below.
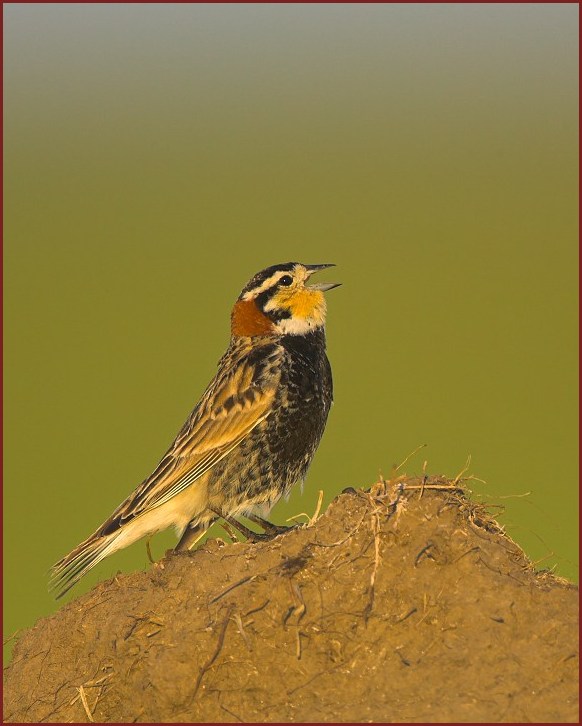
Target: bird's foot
x,y
255,537
270,529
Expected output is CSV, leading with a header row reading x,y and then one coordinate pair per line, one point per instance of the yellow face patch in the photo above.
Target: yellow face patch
x,y
304,304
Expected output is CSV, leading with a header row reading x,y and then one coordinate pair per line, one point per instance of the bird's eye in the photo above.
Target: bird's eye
x,y
286,280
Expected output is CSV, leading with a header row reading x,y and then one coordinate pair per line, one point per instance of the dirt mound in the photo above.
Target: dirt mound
x,y
406,603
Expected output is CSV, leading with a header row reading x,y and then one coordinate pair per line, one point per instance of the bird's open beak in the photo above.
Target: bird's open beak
x,y
321,286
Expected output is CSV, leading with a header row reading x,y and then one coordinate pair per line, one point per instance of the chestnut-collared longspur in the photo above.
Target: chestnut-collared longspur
x,y
251,436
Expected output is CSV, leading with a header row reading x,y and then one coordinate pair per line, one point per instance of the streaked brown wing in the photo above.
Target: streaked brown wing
x,y
237,400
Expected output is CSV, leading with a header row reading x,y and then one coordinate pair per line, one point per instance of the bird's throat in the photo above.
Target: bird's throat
x,y
248,321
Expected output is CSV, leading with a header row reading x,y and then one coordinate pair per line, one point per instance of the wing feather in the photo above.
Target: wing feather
x,y
239,398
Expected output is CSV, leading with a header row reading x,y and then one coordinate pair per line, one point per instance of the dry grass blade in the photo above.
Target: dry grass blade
x,y
412,453
85,704
463,471
315,517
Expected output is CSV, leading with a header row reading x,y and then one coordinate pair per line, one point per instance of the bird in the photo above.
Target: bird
x,y
249,439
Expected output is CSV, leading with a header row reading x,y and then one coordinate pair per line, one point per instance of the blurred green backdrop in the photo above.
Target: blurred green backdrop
x,y
156,156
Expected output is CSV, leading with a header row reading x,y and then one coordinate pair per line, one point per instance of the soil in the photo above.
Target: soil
x,y
404,603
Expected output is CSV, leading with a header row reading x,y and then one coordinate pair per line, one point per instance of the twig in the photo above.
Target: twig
x,y
406,615
424,552
424,479
535,563
232,587
468,552
299,608
451,487
216,653
472,477
346,538
100,683
232,713
257,609
11,637
298,648
375,526
241,629
295,517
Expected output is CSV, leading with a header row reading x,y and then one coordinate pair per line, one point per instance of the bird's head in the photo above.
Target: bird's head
x,y
278,301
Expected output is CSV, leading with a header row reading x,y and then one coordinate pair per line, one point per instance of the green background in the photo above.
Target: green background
x,y
157,156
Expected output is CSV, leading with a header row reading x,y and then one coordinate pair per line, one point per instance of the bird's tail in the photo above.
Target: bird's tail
x,y
68,571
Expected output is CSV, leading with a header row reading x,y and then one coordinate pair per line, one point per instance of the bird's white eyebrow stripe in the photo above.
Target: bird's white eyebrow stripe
x,y
269,282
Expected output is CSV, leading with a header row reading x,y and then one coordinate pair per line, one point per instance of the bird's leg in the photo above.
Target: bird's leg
x,y
229,531
192,534
269,527
248,533
148,550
